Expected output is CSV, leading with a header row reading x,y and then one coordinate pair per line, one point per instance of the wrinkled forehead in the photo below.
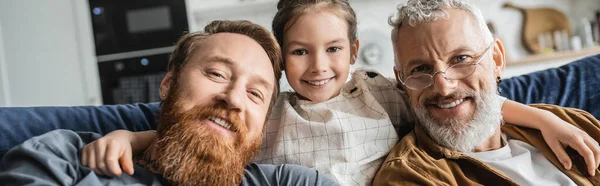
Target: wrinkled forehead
x,y
438,38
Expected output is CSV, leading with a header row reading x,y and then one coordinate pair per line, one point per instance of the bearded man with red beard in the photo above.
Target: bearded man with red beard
x,y
218,93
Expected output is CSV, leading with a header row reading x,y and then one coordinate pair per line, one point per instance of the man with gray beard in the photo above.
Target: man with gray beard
x,y
449,65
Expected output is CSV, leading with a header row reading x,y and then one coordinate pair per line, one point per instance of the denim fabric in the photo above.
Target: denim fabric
x,y
573,85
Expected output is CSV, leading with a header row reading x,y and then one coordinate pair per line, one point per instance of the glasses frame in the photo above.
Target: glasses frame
x,y
445,70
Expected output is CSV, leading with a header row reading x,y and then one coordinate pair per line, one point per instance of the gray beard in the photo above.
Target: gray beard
x,y
465,134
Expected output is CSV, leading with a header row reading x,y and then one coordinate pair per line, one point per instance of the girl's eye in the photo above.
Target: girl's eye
x,y
300,52
333,49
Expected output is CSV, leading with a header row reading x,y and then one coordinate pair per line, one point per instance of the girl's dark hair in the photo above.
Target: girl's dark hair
x,y
288,12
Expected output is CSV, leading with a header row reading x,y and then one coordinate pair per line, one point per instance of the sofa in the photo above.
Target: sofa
x,y
573,85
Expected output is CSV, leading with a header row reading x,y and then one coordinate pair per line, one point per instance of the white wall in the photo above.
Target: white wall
x,y
4,94
508,22
584,7
41,52
87,54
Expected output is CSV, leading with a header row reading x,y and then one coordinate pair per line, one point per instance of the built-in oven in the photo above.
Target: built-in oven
x,y
133,25
133,40
132,80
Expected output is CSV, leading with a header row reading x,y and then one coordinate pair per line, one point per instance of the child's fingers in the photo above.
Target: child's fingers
x,y
126,161
561,154
101,157
584,150
111,159
596,149
91,161
593,146
85,155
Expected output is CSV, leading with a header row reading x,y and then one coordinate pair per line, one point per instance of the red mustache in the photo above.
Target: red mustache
x,y
173,114
221,111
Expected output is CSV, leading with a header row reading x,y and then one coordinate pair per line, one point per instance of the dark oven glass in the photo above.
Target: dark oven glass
x,y
132,25
132,80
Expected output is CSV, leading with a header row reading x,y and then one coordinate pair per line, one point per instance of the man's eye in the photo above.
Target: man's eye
x,y
258,97
300,52
333,49
216,74
255,94
461,58
420,69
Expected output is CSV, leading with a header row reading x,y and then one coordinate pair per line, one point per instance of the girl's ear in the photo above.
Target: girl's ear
x,y
354,51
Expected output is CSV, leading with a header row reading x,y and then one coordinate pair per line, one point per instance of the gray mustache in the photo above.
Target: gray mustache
x,y
456,95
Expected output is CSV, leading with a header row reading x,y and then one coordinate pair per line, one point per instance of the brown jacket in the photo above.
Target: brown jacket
x,y
418,160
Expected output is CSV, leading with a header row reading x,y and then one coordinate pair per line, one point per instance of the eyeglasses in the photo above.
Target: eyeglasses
x,y
421,80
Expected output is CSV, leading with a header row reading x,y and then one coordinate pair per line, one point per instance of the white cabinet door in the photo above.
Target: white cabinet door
x,y
209,4
257,11
194,6
4,95
41,53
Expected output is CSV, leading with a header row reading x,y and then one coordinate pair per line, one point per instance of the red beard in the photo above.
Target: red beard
x,y
189,152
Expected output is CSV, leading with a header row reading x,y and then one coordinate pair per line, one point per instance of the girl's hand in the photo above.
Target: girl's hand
x,y
107,155
559,134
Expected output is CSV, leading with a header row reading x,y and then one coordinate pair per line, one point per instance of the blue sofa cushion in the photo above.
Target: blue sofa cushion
x,y
18,124
575,85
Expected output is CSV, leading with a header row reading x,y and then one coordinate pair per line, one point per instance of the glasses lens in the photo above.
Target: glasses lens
x,y
418,81
460,71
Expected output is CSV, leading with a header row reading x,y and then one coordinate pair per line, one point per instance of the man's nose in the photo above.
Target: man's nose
x,y
319,63
234,96
442,85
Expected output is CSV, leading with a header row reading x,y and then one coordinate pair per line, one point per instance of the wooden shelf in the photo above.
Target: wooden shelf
x,y
555,56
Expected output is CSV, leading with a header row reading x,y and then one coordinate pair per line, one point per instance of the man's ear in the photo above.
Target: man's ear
x,y
499,58
165,85
396,75
354,51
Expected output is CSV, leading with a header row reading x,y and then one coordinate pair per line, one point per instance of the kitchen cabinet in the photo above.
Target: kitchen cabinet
x,y
46,54
210,4
216,4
